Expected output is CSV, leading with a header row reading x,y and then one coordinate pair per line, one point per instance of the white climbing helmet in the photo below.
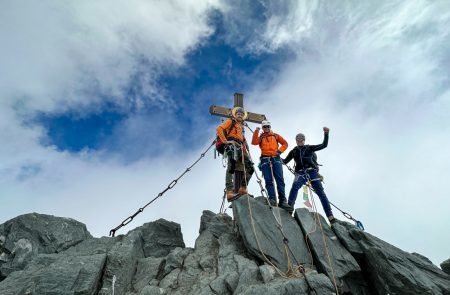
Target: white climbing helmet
x,y
265,123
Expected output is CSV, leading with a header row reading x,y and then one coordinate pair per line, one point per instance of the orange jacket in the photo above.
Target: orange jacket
x,y
235,132
269,143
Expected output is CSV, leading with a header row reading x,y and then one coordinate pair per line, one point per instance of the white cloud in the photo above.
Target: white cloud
x,y
57,55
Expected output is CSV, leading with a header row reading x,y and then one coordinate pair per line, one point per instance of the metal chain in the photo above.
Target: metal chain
x,y
222,207
170,186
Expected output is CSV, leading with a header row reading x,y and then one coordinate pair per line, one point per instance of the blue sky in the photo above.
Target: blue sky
x,y
103,104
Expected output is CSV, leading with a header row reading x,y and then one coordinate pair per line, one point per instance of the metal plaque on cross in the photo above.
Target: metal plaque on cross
x,y
238,102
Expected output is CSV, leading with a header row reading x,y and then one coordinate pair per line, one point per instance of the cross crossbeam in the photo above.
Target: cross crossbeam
x,y
238,102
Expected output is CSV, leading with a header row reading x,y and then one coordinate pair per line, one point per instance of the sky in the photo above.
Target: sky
x,y
103,104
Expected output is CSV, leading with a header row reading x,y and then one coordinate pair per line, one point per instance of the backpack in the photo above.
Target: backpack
x,y
220,146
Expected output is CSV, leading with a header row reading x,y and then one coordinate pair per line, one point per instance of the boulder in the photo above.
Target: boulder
x,y
445,265
395,271
160,237
265,232
57,274
330,256
24,237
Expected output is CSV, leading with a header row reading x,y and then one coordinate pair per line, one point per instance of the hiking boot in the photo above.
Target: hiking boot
x,y
332,219
284,205
243,190
272,202
231,196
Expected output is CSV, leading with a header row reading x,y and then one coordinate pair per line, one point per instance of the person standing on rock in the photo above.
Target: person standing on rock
x,y
307,170
239,164
272,145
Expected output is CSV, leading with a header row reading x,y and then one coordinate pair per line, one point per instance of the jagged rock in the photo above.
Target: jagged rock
x,y
262,236
56,274
152,290
248,273
220,263
94,246
25,236
267,273
342,231
122,261
160,237
147,270
326,247
395,271
175,259
445,266
314,284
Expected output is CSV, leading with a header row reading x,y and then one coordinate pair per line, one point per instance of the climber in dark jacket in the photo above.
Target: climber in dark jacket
x,y
307,169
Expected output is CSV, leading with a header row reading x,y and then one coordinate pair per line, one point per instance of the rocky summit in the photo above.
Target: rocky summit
x,y
263,250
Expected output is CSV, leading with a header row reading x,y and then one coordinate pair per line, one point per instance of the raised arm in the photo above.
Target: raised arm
x,y
324,144
255,138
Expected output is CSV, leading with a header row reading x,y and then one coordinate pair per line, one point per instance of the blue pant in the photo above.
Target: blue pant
x,y
277,168
314,177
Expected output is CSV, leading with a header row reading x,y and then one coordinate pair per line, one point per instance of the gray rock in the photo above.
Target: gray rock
x,y
267,273
395,271
94,246
175,259
342,231
152,290
218,224
147,270
326,247
314,284
248,273
121,264
56,274
160,237
262,236
219,286
229,245
25,236
445,266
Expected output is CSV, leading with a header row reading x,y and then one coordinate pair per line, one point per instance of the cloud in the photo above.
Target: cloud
x,y
77,54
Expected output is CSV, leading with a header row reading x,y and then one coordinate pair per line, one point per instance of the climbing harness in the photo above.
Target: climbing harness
x,y
170,186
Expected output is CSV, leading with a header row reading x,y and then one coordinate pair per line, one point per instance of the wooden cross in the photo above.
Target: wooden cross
x,y
238,102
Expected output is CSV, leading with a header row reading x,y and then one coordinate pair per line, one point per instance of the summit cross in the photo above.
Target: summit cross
x,y
238,102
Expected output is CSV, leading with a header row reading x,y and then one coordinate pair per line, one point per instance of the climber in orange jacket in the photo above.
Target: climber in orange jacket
x,y
231,132
272,145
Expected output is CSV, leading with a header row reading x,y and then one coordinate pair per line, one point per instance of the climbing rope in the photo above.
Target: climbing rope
x,y
292,271
358,223
317,220
170,186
